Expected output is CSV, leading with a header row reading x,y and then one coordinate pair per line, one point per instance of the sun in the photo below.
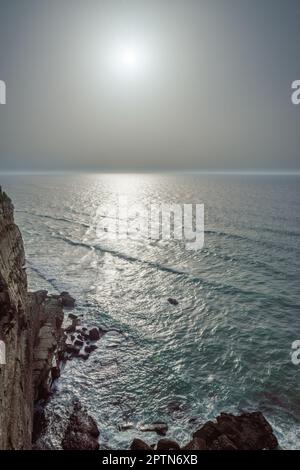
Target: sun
x,y
129,57
129,60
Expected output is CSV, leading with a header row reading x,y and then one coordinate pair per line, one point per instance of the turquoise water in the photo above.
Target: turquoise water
x,y
225,347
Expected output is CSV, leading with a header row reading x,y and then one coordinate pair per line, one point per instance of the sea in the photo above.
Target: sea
x,y
225,347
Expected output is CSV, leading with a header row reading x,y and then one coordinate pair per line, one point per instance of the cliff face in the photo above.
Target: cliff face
x,y
30,326
16,332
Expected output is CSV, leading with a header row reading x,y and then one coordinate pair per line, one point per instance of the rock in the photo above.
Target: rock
x,y
126,426
160,428
72,349
78,342
66,300
167,444
30,326
90,348
72,328
249,431
138,444
55,373
82,432
209,432
173,301
94,334
72,316
223,443
196,444
39,423
84,356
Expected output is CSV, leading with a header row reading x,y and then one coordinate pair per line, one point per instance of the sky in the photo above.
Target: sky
x,y
140,85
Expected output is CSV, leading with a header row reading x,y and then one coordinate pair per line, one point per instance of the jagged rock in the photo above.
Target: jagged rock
x,y
160,428
67,300
138,444
209,432
72,349
72,316
249,431
173,301
223,443
72,328
39,423
196,444
94,334
55,373
78,342
90,348
82,432
84,356
167,444
47,343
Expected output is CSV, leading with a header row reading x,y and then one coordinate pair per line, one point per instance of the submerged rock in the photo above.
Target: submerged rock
x,y
173,301
160,428
82,432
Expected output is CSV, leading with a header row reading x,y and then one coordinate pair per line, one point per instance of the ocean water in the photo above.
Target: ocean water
x,y
225,347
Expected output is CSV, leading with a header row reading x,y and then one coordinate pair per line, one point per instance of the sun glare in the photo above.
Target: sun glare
x,y
129,60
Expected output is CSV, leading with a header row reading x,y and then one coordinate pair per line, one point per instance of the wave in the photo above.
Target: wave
x,y
266,243
213,285
56,219
52,282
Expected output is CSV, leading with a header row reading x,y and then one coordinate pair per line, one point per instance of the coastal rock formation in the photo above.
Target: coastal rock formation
x,y
82,432
79,341
16,394
48,341
30,328
249,431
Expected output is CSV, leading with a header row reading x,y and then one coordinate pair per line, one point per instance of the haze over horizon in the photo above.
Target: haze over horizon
x,y
149,86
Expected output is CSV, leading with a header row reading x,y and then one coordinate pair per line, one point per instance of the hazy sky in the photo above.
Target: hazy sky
x,y
149,84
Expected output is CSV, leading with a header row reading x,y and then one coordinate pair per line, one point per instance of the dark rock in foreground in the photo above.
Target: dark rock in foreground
x,y
138,444
167,444
249,431
82,432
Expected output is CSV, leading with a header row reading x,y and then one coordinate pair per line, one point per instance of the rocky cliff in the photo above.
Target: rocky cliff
x,y
30,328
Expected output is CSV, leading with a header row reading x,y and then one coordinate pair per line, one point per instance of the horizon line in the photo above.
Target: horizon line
x,y
156,172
